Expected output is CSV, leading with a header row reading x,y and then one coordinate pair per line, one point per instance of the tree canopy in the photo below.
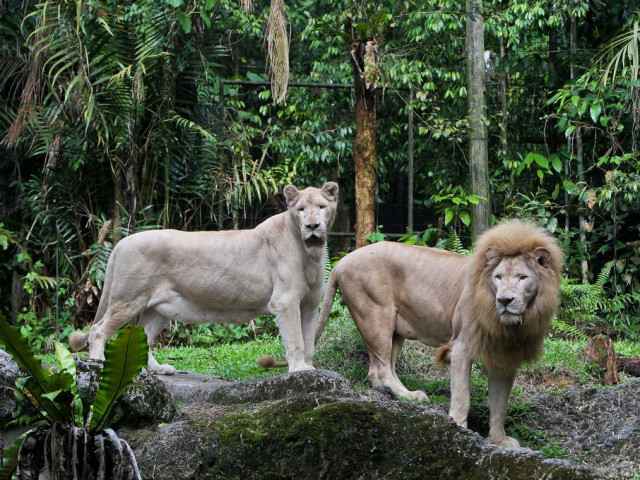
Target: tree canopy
x,y
122,116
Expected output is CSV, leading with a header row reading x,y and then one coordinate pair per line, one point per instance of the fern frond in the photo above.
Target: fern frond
x,y
605,273
568,330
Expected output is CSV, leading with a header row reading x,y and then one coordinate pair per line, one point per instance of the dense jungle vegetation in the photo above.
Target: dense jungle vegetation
x,y
117,117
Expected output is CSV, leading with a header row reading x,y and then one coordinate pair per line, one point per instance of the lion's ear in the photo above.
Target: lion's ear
x,y
330,189
290,194
543,256
490,254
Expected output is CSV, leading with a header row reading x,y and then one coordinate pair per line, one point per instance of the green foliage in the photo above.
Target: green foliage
x,y
620,49
125,357
423,239
591,309
453,243
117,112
54,394
221,333
377,236
454,202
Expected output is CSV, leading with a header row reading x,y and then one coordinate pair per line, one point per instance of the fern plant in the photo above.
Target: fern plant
x,y
588,309
66,441
453,243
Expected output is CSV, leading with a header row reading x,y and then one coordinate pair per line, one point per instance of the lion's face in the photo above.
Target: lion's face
x,y
515,285
313,211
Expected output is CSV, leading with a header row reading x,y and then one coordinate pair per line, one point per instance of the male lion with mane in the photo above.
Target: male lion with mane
x,y
276,268
496,305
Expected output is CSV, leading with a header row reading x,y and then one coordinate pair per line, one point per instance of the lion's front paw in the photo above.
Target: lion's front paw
x,y
415,396
507,442
301,368
164,370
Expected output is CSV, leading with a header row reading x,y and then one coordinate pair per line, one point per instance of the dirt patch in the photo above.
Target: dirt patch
x,y
596,426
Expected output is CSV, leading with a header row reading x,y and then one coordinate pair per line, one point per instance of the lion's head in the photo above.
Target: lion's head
x,y
515,284
515,271
313,211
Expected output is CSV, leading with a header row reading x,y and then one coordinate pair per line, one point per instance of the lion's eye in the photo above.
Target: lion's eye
x,y
301,209
322,207
498,277
523,277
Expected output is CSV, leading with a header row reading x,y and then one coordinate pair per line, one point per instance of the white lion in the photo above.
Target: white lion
x,y
230,276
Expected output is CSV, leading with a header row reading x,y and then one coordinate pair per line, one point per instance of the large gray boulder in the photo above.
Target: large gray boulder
x,y
9,373
146,402
313,425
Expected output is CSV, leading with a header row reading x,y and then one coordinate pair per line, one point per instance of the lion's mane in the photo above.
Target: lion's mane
x,y
508,346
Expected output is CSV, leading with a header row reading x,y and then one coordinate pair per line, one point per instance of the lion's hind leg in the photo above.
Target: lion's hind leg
x,y
114,318
383,346
153,323
416,395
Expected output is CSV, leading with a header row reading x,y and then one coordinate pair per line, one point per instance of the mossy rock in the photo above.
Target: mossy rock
x,y
313,436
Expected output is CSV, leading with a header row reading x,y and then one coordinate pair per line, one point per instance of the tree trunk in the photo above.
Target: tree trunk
x,y
478,154
577,136
365,63
410,176
119,200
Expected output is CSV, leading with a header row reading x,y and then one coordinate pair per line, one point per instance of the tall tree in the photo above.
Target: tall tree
x,y
365,62
478,145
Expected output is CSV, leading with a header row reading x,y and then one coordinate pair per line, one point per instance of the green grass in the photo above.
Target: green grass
x,y
233,361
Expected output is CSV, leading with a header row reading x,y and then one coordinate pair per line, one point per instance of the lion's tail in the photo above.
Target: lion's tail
x,y
443,355
329,292
78,339
267,361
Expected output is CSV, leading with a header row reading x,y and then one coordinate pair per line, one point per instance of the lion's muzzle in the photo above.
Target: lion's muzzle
x,y
314,241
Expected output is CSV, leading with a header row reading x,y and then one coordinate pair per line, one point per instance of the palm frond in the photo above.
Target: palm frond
x,y
278,51
622,51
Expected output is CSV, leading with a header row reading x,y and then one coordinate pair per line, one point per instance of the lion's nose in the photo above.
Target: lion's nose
x,y
312,226
505,300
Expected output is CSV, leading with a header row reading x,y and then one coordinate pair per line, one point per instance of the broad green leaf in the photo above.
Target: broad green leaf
x,y
595,111
175,3
448,216
185,22
582,107
541,160
570,129
475,199
10,456
125,357
528,160
67,363
466,219
540,174
556,162
41,380
205,17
